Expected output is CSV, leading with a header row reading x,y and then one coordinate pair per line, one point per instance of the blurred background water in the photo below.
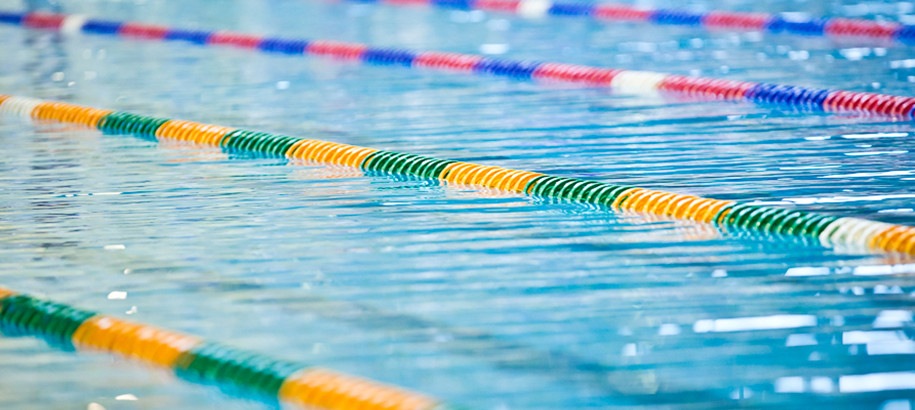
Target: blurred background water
x,y
478,297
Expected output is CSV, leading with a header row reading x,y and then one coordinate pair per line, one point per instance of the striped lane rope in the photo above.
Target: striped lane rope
x,y
201,361
854,233
790,23
624,81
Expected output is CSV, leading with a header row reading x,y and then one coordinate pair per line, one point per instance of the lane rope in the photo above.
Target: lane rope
x,y
854,233
201,361
623,81
789,23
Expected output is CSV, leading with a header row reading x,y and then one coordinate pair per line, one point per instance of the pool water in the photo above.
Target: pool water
x,y
483,298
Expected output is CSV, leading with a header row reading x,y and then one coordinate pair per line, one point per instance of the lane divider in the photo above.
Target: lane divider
x,y
624,81
854,233
201,361
714,19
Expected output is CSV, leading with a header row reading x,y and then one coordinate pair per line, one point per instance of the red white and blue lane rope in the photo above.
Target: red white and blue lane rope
x,y
627,81
714,19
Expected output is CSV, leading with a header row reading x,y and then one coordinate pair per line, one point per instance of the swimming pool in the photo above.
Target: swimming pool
x,y
479,297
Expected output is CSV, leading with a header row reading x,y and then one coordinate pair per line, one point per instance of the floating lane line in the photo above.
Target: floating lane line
x,y
854,233
790,23
625,81
201,361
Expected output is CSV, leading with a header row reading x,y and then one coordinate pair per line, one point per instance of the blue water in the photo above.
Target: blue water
x,y
482,298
